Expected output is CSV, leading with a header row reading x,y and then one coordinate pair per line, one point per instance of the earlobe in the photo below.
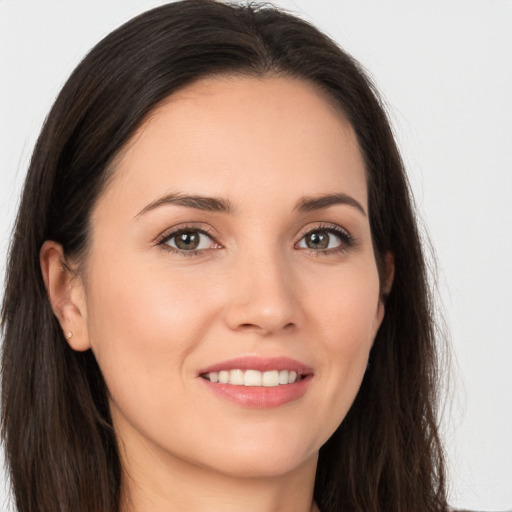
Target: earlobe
x,y
66,295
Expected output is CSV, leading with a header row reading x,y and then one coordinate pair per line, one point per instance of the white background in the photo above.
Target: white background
x,y
445,69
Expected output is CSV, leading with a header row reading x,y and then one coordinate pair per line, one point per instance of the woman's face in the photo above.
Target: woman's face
x,y
233,245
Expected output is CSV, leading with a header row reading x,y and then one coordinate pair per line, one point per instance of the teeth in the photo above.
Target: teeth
x,y
252,378
237,377
270,379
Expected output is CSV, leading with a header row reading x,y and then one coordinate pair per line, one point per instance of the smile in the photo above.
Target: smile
x,y
258,382
254,378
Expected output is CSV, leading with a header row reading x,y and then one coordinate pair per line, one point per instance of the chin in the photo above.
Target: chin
x,y
258,459
266,466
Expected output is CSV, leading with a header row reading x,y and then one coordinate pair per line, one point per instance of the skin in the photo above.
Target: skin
x,y
155,316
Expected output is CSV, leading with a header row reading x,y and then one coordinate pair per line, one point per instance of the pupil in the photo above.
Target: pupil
x,y
317,240
187,240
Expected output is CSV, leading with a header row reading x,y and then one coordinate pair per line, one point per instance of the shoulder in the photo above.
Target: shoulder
x,y
459,510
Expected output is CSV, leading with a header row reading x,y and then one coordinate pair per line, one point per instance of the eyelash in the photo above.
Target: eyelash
x,y
169,235
347,240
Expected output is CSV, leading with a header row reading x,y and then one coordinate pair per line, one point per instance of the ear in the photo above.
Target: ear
x,y
66,294
386,285
389,274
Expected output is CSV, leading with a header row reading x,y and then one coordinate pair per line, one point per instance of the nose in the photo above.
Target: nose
x,y
263,296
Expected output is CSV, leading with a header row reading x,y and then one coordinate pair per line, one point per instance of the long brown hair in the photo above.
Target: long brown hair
x,y
60,446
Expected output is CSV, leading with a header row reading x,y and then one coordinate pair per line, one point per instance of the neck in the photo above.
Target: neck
x,y
177,485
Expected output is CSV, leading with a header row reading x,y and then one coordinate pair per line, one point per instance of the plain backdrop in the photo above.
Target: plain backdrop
x,y
445,69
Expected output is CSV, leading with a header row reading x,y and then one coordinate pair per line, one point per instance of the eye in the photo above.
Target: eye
x,y
189,240
331,239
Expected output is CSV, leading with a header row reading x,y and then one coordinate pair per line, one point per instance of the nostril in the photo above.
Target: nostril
x,y
249,326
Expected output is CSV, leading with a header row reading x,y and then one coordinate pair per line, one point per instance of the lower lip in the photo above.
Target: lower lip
x,y
260,397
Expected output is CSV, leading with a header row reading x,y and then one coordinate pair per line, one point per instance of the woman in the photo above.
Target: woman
x,y
227,294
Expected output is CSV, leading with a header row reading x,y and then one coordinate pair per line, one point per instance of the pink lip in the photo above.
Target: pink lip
x,y
261,364
260,397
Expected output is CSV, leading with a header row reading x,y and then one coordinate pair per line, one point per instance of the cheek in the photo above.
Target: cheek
x,y
347,309
143,323
349,315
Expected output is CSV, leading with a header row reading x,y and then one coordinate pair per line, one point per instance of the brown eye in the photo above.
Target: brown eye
x,y
189,240
317,240
326,240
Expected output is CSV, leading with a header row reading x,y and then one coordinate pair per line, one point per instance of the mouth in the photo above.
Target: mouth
x,y
257,382
254,378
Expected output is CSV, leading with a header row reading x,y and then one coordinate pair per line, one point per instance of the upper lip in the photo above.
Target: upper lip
x,y
259,363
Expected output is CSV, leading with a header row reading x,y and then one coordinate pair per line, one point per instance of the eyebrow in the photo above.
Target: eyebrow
x,y
308,204
208,204
219,205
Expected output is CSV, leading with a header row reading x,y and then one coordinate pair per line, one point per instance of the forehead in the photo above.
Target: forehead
x,y
240,137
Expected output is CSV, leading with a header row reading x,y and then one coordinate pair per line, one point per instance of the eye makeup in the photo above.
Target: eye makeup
x,y
326,239
193,240
188,240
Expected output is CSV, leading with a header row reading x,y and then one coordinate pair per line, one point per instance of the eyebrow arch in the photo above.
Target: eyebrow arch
x,y
308,204
209,204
